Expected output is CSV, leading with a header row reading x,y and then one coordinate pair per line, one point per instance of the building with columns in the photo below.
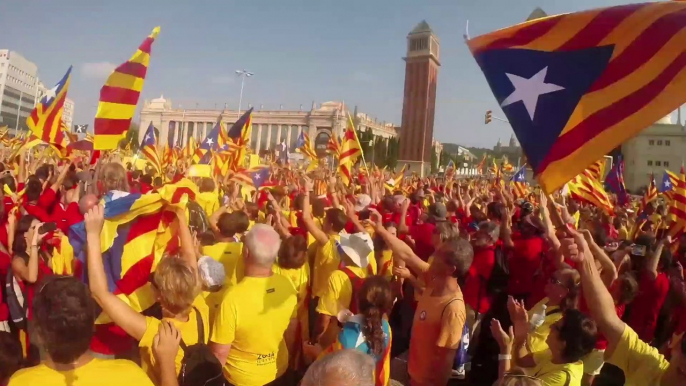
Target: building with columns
x,y
269,127
419,102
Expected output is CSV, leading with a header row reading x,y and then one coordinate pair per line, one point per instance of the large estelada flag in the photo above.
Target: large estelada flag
x,y
119,97
577,85
45,121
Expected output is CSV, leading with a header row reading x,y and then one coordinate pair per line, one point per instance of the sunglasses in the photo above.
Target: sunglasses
x,y
554,280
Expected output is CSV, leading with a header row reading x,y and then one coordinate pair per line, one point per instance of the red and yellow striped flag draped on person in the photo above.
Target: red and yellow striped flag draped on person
x,y
119,97
599,77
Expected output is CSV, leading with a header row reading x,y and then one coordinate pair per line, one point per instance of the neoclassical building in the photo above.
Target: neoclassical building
x,y
269,127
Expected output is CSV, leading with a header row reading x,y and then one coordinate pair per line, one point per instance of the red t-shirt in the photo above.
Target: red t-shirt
x,y
539,279
647,304
475,294
524,260
421,234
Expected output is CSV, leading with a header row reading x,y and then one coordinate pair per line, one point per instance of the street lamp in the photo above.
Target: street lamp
x,y
243,74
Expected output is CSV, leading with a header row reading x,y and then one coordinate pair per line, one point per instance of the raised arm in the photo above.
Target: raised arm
x,y
29,272
654,258
310,225
400,250
597,296
124,316
608,271
187,245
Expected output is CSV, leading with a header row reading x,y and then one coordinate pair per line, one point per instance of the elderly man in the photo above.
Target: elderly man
x,y
342,368
256,318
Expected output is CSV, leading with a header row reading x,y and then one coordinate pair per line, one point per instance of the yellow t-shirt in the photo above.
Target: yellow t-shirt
x,y
641,363
300,278
213,300
208,201
230,254
339,291
189,334
252,318
325,262
101,372
551,374
536,340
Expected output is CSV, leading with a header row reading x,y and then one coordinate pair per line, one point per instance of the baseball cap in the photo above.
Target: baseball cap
x,y
438,211
362,201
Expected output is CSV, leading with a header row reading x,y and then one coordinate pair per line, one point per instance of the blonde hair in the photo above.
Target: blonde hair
x,y
113,177
177,285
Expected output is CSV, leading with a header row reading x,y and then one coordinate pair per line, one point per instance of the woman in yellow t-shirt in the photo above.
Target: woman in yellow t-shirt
x,y
175,284
570,339
64,320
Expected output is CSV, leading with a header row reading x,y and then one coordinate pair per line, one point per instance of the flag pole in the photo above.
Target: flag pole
x,y
352,125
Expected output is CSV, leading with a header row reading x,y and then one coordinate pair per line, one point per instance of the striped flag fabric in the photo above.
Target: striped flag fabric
x,y
651,192
575,86
240,133
304,146
149,149
669,181
615,181
597,169
45,121
188,152
678,207
350,151
481,165
210,144
119,97
585,187
334,146
521,188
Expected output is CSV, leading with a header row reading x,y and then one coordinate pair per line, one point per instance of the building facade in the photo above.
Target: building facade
x,y
68,113
419,101
659,147
18,90
269,127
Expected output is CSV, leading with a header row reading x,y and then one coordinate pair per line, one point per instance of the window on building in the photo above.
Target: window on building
x,y
658,163
651,142
665,164
667,143
650,163
659,142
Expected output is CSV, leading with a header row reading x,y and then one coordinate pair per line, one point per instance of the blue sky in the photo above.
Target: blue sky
x,y
300,50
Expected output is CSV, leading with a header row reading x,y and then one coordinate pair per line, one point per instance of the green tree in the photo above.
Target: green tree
x,y
392,153
132,137
380,150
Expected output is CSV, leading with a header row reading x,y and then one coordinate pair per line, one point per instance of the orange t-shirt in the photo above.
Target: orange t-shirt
x,y
438,322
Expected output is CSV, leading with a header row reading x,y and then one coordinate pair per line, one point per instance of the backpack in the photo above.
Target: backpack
x,y
199,367
500,275
356,283
18,312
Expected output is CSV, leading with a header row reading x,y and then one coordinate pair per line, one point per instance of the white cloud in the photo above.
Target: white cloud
x,y
97,70
224,79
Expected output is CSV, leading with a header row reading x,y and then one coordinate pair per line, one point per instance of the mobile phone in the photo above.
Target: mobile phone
x,y
638,250
47,227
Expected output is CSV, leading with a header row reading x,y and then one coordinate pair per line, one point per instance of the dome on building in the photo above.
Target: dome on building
x,y
330,106
666,120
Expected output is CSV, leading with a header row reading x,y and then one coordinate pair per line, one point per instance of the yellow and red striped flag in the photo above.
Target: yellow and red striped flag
x,y
149,149
651,193
188,152
46,119
350,151
678,208
586,187
119,97
334,146
577,85
597,169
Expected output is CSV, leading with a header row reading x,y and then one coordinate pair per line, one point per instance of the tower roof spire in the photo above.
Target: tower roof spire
x,y
422,27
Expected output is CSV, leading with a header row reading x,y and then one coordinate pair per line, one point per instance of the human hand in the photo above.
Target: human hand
x,y
406,204
375,218
165,345
505,340
95,219
402,272
574,248
308,184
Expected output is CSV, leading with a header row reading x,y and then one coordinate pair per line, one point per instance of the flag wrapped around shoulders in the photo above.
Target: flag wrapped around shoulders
x,y
45,121
119,97
135,235
577,85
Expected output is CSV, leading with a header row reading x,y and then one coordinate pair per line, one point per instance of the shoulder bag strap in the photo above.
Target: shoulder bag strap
x,y
569,377
201,330
446,306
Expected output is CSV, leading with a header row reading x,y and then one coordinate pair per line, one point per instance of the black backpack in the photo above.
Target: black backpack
x,y
500,275
199,366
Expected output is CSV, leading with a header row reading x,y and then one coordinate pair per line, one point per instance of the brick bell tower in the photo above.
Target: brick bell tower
x,y
419,102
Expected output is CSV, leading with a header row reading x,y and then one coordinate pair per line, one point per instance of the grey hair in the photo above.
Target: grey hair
x,y
263,245
447,230
342,368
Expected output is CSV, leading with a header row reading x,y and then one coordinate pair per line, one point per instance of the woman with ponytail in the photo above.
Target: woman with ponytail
x,y
368,331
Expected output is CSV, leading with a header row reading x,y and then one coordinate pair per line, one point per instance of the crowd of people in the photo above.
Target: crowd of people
x,y
312,282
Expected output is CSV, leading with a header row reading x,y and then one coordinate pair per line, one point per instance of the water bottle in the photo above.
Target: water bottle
x,y
537,318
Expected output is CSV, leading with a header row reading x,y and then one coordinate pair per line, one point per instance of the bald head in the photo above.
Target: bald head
x,y
342,368
87,202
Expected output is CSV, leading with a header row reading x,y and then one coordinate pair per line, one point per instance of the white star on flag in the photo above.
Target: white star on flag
x,y
50,94
147,137
209,141
668,184
527,91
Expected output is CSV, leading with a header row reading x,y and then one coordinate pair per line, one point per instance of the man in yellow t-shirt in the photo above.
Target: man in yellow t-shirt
x,y
228,248
69,332
641,363
357,255
256,321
